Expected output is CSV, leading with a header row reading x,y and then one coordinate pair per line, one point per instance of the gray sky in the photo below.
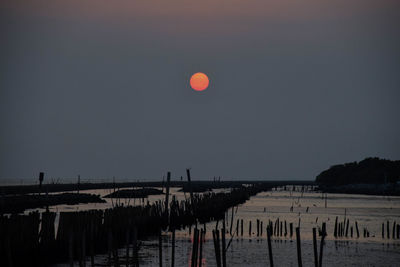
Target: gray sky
x,y
101,88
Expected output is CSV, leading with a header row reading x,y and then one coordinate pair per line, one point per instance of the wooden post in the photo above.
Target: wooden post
x,y
127,246
109,246
194,247
335,232
394,230
269,231
387,230
167,195
135,247
160,248
291,229
230,231
216,247
358,233
250,228
298,247
71,247
83,244
173,249
322,244
285,229
190,187
223,244
314,231
201,247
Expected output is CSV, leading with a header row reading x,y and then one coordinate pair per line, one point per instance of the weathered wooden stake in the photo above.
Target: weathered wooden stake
x,y
291,229
250,228
160,248
173,249
269,232
322,244
201,247
358,233
315,247
167,194
298,247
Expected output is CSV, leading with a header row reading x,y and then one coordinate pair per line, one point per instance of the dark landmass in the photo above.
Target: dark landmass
x,y
19,203
200,188
28,189
367,171
135,193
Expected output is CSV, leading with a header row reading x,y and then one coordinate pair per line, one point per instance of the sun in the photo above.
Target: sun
x,y
199,81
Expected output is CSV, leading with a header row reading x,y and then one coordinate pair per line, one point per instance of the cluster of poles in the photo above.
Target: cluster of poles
x,y
33,240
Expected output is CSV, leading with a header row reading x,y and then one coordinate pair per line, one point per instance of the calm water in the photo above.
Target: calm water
x,y
369,211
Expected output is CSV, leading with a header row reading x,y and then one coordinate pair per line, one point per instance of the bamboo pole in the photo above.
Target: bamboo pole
x,y
269,232
299,261
315,247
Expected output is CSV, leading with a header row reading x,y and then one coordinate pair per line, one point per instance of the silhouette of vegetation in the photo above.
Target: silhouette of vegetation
x,y
134,193
19,203
367,171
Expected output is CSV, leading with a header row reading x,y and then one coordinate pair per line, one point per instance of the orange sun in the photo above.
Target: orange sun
x,y
199,81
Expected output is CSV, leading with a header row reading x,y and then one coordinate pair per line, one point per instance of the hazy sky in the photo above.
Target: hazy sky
x,y
101,88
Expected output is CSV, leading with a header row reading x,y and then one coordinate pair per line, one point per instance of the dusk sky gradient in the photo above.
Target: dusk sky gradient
x,y
101,88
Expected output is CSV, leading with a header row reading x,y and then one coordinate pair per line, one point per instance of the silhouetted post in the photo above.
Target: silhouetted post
x,y
258,227
173,249
285,229
335,231
261,228
167,194
194,247
271,261
230,230
322,244
241,227
314,232
71,247
237,227
347,227
394,230
387,230
41,178
216,247
201,247
160,248
79,182
351,231
358,233
223,243
135,247
190,187
291,229
250,228
383,230
127,234
298,247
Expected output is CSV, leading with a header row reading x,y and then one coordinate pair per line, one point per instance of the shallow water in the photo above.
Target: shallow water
x,y
369,211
